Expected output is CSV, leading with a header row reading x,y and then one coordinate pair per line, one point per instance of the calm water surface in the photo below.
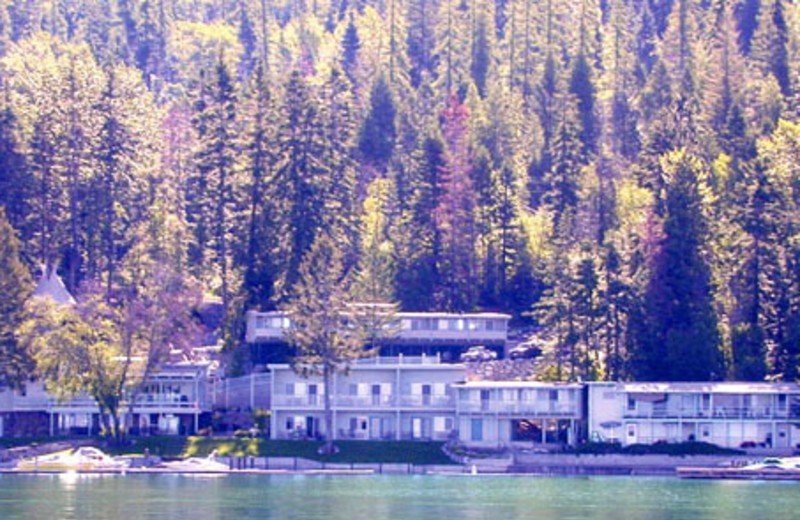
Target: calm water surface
x,y
390,497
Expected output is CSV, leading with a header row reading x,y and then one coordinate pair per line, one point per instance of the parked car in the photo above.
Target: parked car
x,y
478,353
527,350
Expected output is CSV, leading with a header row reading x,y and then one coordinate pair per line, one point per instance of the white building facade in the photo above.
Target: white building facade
x,y
511,413
728,414
173,401
383,398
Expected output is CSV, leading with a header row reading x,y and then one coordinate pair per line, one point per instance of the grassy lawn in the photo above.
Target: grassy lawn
x,y
9,442
349,451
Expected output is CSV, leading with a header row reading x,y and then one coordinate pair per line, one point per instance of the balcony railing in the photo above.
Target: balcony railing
x,y
47,404
717,412
520,407
424,401
365,401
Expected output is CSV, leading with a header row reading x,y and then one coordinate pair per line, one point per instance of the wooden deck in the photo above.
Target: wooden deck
x,y
738,474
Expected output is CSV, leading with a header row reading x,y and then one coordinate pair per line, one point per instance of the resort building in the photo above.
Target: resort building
x,y
416,333
509,413
733,415
381,398
173,401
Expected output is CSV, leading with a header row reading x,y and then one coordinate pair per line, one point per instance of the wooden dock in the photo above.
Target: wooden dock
x,y
737,474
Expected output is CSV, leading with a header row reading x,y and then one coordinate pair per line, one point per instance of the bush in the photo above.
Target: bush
x,y
659,448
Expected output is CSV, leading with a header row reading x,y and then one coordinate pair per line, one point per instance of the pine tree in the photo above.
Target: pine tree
x,y
421,18
481,56
260,236
350,46
326,344
562,179
378,133
769,50
247,37
419,241
15,185
216,163
15,284
454,214
679,340
301,177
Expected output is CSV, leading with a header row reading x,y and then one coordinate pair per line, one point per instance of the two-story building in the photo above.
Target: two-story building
x,y
415,333
727,414
381,398
173,400
508,413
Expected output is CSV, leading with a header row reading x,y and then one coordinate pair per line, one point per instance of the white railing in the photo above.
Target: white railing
x,y
520,407
365,401
423,401
717,412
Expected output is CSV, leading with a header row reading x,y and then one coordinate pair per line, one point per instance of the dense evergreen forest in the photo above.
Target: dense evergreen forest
x,y
623,175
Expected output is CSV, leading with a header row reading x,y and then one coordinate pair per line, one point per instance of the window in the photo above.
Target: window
x,y
489,325
782,402
554,395
631,404
290,423
477,429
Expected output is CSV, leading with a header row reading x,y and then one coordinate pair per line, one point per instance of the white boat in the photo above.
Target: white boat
x,y
197,465
85,458
776,463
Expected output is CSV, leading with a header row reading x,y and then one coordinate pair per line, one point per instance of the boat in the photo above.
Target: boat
x,y
85,458
772,468
197,465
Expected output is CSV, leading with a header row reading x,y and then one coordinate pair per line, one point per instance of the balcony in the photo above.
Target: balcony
x,y
427,401
366,402
717,412
532,409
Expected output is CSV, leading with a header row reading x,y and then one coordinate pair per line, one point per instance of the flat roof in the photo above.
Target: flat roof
x,y
388,365
400,314
722,387
519,384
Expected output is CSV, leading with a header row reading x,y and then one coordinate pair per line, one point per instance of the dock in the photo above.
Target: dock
x,y
737,474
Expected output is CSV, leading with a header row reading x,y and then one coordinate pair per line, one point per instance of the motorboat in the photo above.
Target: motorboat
x,y
197,465
86,458
772,468
775,463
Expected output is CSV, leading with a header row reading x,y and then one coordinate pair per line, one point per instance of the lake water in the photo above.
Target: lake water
x,y
391,497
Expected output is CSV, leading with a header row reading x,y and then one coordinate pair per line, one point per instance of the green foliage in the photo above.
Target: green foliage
x,y
15,285
378,133
221,138
679,340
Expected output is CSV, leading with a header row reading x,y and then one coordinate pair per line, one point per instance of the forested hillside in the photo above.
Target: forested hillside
x,y
624,174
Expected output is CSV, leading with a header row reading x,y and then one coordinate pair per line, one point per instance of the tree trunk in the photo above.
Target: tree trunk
x,y
326,381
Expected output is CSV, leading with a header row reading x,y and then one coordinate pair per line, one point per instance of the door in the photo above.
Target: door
x,y
416,428
426,395
485,400
376,395
311,427
312,395
783,436
375,428
631,434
